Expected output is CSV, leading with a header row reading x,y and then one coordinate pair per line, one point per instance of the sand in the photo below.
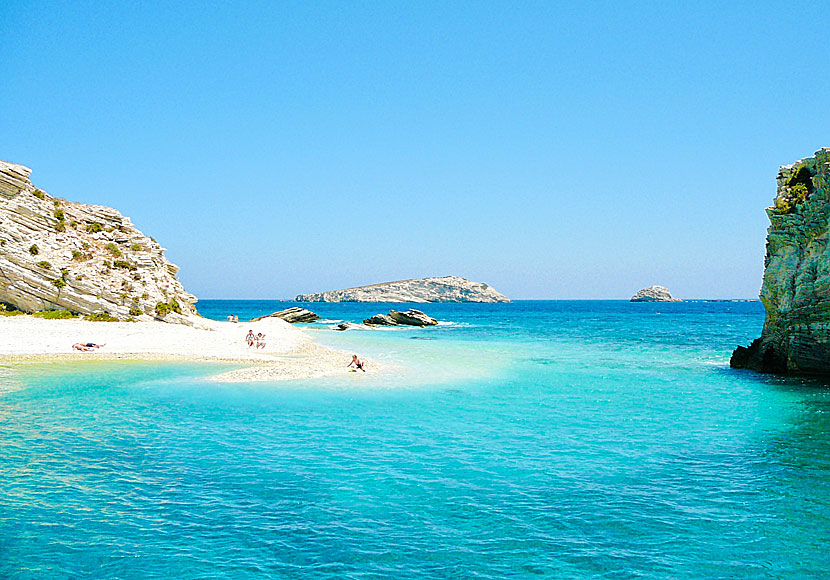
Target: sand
x,y
289,353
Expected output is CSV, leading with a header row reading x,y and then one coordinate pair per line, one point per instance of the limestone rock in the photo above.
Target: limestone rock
x,y
293,315
60,255
411,317
444,289
380,320
796,286
654,294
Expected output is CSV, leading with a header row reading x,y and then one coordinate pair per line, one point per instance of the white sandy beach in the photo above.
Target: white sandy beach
x,y
289,352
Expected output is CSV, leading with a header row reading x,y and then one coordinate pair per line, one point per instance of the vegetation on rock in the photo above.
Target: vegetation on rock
x,y
101,317
33,250
45,265
55,314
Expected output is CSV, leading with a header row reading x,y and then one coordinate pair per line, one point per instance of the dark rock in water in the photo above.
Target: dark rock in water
x,y
292,315
412,317
380,320
796,287
758,357
350,326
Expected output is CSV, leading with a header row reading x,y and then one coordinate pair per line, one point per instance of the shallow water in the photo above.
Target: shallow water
x,y
534,439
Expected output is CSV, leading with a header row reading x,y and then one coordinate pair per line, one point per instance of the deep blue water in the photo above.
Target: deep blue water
x,y
524,440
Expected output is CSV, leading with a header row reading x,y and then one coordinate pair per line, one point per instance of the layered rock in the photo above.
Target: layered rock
x,y
411,317
654,294
293,315
443,289
88,259
796,286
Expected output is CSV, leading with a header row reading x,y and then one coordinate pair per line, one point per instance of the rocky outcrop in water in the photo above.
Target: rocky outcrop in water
x,y
796,286
411,317
88,259
444,289
654,294
293,315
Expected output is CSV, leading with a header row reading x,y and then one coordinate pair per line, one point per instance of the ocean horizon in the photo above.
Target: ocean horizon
x,y
553,439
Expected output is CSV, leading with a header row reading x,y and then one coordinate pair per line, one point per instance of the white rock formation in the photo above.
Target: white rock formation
x,y
444,289
61,255
654,294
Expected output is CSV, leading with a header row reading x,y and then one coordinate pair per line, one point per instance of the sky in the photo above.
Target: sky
x,y
554,150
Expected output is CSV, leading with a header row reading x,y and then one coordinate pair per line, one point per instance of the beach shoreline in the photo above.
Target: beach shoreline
x,y
289,354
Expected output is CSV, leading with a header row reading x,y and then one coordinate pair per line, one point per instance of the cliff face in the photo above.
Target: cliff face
x,y
60,255
796,287
445,289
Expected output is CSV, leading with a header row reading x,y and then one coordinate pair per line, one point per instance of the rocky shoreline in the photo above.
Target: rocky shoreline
x,y
796,287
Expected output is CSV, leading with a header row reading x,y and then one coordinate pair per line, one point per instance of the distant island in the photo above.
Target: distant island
x,y
654,294
443,289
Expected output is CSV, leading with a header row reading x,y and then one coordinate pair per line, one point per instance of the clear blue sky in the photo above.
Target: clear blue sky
x,y
553,150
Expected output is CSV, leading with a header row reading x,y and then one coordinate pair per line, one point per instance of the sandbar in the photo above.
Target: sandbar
x,y
289,353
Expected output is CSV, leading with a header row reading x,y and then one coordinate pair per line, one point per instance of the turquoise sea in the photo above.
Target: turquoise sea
x,y
561,440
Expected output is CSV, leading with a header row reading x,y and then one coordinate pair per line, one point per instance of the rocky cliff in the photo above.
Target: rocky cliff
x,y
796,287
444,289
88,259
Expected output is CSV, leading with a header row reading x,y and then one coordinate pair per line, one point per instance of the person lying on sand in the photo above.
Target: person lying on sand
x,y
260,340
358,364
86,347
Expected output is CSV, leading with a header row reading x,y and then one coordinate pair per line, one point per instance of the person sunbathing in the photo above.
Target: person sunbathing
x,y
250,338
260,340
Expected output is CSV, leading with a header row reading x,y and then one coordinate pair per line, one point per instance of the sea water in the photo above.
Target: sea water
x,y
524,440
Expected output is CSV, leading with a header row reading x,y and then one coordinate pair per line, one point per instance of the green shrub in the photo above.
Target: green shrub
x,y
9,310
60,227
164,308
73,224
85,245
57,202
38,194
34,250
55,314
45,265
787,201
137,248
94,228
801,176
124,265
79,256
135,311
58,283
101,317
59,213
113,249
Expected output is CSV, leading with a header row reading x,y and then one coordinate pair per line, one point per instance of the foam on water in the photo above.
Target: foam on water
x,y
560,440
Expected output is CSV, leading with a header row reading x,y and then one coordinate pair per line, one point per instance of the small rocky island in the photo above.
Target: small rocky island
x,y
443,289
796,286
654,294
87,259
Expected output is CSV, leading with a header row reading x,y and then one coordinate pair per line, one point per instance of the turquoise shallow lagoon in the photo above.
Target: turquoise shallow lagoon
x,y
525,440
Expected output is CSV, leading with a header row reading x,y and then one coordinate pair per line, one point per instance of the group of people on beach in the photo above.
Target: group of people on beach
x,y
257,340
